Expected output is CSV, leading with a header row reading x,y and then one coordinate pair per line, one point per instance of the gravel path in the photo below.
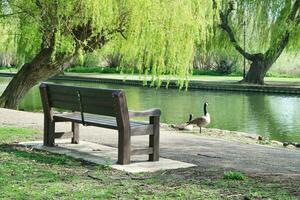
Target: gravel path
x,y
206,152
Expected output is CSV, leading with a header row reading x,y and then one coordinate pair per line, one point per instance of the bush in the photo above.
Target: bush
x,y
91,60
113,60
225,65
206,72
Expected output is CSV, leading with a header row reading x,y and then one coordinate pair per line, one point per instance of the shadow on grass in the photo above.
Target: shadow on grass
x,y
41,156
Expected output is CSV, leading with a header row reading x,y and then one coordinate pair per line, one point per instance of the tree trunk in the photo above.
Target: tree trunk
x,y
41,68
257,72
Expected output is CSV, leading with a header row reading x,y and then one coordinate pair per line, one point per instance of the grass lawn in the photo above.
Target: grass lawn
x,y
98,72
217,79
33,174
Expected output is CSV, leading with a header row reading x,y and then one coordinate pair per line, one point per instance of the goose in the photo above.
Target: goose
x,y
185,126
202,121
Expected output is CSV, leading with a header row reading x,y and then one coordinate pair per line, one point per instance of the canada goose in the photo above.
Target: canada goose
x,y
185,126
202,121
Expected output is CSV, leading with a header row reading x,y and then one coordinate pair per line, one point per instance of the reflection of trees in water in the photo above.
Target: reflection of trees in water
x,y
32,101
227,109
268,119
3,84
287,117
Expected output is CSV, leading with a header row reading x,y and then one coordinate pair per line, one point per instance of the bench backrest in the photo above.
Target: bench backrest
x,y
107,102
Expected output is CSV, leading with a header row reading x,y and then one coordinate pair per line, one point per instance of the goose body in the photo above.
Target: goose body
x,y
203,120
185,126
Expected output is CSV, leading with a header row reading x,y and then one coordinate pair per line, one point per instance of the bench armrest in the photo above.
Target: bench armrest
x,y
145,113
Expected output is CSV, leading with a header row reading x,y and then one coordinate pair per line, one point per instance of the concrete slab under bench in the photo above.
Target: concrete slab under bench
x,y
106,155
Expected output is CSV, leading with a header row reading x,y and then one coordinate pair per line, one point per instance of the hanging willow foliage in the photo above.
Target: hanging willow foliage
x,y
266,23
159,35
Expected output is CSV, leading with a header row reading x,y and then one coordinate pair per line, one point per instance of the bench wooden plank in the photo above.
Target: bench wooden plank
x,y
75,130
142,130
154,139
88,122
66,89
124,129
98,119
94,109
142,151
49,124
73,98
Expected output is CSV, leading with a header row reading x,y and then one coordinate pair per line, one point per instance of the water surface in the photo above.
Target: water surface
x,y
275,116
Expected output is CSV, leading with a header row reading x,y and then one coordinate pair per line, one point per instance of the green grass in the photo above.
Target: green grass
x,y
33,174
196,72
101,70
234,176
8,69
10,134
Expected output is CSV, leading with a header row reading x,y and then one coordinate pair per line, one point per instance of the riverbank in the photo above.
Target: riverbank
x,y
35,120
170,136
265,168
273,85
235,136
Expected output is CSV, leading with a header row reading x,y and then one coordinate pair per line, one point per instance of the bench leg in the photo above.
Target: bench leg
x,y
154,139
124,147
75,130
49,131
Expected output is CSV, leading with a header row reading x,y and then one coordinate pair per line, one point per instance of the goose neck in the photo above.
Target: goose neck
x,y
205,109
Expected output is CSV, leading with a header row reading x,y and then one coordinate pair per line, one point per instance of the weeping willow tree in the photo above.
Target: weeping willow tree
x,y
158,35
272,27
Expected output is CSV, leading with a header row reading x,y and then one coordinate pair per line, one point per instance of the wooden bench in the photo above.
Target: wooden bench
x,y
105,108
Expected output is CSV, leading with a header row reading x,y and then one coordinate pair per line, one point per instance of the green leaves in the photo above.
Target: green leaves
x,y
266,21
162,35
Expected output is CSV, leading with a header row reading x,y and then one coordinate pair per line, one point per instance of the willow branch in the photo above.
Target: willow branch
x,y
295,10
225,26
85,33
275,51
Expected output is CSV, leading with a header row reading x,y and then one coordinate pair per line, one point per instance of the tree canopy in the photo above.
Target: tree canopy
x,y
157,35
272,27
266,21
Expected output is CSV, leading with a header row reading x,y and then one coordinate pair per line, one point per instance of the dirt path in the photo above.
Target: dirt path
x,y
206,152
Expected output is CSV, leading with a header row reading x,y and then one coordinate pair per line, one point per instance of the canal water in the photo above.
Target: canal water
x,y
274,116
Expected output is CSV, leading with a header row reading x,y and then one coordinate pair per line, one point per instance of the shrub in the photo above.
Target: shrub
x,y
225,65
113,60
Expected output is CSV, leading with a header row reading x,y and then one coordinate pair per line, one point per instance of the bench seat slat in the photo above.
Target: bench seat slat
x,y
100,121
91,123
93,117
